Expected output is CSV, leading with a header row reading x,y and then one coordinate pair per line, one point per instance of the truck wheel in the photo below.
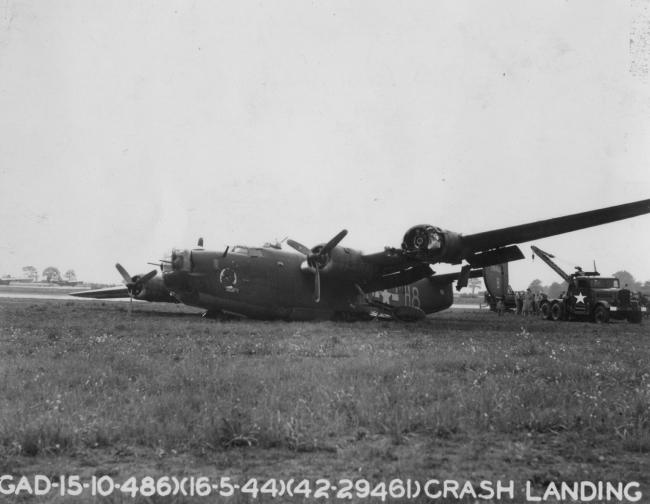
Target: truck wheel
x,y
556,311
635,317
545,311
601,315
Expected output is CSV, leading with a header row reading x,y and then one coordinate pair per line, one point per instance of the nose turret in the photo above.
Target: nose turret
x,y
181,260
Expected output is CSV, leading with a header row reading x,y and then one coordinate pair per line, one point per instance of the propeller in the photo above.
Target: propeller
x,y
134,284
318,257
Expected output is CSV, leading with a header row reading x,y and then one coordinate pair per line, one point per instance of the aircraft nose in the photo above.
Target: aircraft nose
x,y
175,277
175,280
170,278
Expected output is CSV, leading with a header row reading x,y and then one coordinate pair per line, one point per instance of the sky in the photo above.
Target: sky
x,y
129,128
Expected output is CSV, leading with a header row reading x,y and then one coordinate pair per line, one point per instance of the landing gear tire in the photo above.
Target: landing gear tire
x,y
556,312
601,315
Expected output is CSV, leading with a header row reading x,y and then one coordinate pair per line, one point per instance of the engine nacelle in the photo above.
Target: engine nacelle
x,y
155,290
431,244
343,262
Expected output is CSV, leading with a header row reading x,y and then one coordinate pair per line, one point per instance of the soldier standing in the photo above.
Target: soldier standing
x,y
528,302
500,306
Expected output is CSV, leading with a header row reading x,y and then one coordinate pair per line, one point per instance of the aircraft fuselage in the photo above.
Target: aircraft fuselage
x,y
272,283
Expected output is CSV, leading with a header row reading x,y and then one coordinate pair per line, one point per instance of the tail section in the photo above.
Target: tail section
x,y
496,280
498,286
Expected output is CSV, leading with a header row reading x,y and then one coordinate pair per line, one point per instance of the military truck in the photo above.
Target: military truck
x,y
590,296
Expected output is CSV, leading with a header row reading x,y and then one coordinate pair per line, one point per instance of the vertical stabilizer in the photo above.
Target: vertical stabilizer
x,y
496,280
497,285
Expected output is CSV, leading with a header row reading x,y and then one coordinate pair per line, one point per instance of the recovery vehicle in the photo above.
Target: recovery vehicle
x,y
590,296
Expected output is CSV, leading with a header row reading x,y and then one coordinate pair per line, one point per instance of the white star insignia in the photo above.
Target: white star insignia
x,y
580,298
386,296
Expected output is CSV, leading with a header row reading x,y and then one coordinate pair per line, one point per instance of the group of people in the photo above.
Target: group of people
x,y
527,303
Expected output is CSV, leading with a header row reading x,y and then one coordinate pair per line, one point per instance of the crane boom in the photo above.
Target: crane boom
x,y
546,257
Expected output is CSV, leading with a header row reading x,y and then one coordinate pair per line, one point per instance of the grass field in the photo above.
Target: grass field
x,y
462,395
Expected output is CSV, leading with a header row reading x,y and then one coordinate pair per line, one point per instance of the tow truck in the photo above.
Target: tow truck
x,y
590,296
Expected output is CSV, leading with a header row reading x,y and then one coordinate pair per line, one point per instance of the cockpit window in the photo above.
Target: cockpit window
x,y
247,251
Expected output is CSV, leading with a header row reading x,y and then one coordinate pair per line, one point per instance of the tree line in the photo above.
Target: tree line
x,y
50,274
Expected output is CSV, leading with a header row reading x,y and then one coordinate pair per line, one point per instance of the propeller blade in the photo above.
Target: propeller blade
x,y
332,243
299,247
123,272
318,258
317,284
145,278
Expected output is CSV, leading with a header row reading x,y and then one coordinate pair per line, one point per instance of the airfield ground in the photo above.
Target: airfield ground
x,y
463,395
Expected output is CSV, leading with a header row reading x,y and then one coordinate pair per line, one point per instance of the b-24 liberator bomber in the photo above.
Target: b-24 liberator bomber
x,y
334,281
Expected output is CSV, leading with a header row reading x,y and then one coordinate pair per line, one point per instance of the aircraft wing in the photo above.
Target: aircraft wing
x,y
430,245
107,293
550,227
